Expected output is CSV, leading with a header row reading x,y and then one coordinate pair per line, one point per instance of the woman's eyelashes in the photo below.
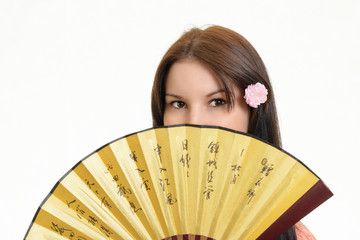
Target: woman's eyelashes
x,y
213,103
178,104
217,102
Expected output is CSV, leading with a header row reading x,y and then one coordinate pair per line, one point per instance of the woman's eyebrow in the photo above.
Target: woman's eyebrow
x,y
173,95
215,92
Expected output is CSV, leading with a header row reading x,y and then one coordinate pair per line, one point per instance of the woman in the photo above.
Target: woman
x,y
202,80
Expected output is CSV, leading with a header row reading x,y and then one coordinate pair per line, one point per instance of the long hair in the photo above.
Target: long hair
x,y
235,62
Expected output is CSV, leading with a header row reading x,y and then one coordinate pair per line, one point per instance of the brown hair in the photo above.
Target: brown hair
x,y
234,61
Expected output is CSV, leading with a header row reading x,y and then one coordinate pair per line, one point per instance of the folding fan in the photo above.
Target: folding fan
x,y
180,182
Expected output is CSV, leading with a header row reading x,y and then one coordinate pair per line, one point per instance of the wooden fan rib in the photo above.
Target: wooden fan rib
x,y
83,198
110,179
243,211
198,184
193,182
213,149
104,203
129,156
61,198
188,237
57,217
106,223
240,190
291,182
168,167
181,160
229,195
40,232
316,195
154,158
231,155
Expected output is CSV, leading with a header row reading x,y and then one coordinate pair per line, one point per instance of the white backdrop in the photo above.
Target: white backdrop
x,y
75,75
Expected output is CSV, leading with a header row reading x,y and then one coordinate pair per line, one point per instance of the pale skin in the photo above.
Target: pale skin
x,y
195,96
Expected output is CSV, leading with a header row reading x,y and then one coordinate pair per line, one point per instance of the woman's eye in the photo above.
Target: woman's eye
x,y
178,104
217,102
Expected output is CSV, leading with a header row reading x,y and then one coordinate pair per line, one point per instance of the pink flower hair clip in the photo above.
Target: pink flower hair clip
x,y
255,94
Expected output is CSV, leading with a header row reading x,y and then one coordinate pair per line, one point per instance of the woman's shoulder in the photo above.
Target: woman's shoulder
x,y
302,233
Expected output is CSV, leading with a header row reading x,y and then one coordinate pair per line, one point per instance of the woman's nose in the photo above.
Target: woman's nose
x,y
197,116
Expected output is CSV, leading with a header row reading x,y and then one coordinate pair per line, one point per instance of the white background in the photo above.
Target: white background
x,y
75,75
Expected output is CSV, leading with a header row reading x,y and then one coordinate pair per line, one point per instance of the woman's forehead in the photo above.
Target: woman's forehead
x,y
184,75
187,73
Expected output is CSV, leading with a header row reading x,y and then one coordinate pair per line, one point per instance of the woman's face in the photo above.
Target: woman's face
x,y
195,96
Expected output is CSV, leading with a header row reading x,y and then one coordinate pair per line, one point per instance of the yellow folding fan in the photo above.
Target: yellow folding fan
x,y
180,182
